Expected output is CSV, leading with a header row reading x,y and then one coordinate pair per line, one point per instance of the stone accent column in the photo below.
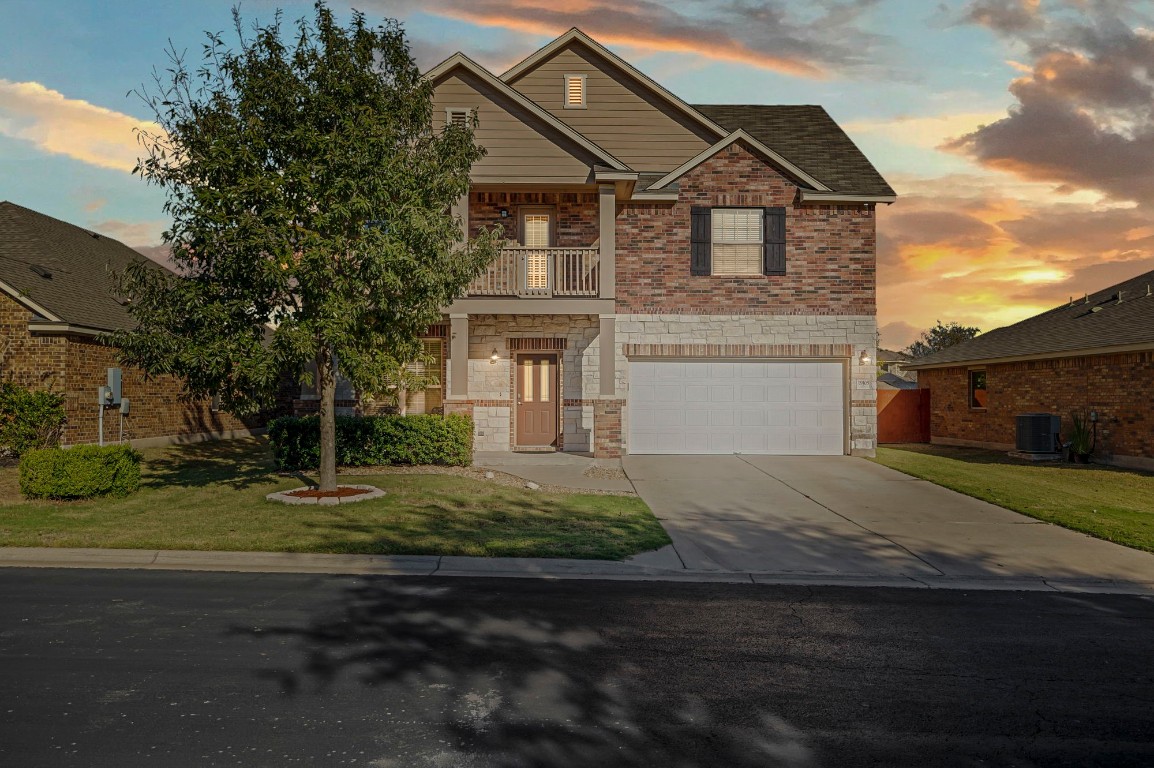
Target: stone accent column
x,y
458,357
607,428
607,231
607,360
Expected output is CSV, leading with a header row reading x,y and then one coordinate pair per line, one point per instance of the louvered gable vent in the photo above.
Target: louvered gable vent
x,y
574,91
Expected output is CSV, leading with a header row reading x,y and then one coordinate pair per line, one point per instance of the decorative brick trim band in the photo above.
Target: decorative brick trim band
x,y
534,198
862,403
515,344
573,401
482,403
738,350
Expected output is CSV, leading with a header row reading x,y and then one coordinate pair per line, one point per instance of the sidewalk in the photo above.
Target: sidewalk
x,y
662,565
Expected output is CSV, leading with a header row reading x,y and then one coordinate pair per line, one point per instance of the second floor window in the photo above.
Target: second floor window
x,y
737,241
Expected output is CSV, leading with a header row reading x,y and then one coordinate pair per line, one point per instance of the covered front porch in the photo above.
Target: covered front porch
x,y
534,382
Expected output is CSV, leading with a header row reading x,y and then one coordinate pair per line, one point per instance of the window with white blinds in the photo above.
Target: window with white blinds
x,y
737,241
536,230
574,90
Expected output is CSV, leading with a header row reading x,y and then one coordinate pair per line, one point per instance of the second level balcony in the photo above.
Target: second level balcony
x,y
540,273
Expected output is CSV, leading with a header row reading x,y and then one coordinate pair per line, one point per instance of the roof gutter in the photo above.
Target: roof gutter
x,y
1084,352
62,328
811,196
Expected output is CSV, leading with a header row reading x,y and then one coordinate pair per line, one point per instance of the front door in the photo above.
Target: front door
x,y
537,400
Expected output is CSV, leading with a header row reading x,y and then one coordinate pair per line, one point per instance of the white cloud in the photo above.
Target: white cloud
x,y
73,127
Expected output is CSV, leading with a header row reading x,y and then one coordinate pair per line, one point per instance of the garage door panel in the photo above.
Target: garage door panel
x,y
757,407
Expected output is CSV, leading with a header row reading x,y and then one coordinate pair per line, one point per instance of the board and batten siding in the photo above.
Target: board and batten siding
x,y
521,149
621,116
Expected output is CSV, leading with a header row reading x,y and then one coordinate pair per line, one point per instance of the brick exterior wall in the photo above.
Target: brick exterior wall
x,y
830,250
75,366
1120,387
607,437
576,214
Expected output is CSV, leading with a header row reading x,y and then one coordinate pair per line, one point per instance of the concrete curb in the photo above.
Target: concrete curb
x,y
533,568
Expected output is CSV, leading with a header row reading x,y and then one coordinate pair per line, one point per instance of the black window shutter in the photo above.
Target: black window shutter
x,y
774,241
700,238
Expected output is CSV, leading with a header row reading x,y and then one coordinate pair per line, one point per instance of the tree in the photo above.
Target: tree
x,y
310,199
941,336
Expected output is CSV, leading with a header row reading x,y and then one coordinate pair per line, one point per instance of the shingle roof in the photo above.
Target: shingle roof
x,y
891,356
80,289
1095,322
809,138
893,381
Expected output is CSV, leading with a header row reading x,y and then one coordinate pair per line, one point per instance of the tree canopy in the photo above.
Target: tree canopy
x,y
310,202
939,337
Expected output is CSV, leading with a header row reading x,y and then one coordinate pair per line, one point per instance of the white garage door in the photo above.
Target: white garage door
x,y
736,407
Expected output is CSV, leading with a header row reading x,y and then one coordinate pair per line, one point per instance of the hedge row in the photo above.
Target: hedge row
x,y
29,420
83,472
368,441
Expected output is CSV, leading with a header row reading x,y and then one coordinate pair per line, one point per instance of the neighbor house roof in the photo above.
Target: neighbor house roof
x,y
890,356
1115,319
810,139
61,272
893,381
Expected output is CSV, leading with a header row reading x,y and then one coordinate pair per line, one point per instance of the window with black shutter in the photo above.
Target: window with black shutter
x,y
774,253
700,238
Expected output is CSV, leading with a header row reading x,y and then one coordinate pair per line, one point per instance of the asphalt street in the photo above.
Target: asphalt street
x,y
127,668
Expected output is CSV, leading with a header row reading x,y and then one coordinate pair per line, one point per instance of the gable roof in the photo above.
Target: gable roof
x,y
810,139
1098,323
576,35
756,145
79,290
461,60
892,356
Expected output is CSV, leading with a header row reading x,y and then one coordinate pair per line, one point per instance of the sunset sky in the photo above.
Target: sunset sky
x,y
1019,134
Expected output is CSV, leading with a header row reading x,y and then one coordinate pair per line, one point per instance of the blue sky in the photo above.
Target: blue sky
x,y
970,109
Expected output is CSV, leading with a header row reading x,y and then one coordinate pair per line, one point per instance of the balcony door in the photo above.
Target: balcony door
x,y
537,393
536,237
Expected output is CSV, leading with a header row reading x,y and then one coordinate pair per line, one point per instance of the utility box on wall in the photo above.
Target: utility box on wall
x,y
113,386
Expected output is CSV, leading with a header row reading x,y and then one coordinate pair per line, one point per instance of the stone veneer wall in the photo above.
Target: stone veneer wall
x,y
1120,387
855,333
491,384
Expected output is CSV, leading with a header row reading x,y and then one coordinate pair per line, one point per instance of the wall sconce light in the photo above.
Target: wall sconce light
x,y
493,358
504,213
864,358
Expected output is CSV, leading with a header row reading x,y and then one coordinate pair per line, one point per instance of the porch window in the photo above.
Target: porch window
x,y
537,233
737,241
978,389
431,399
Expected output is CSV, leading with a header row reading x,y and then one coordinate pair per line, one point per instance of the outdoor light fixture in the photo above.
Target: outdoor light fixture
x,y
504,213
493,358
864,358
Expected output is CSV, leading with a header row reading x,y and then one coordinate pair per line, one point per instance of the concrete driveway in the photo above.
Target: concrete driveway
x,y
846,516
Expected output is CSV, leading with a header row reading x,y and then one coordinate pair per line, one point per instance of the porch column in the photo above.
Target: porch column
x,y
459,356
607,361
607,208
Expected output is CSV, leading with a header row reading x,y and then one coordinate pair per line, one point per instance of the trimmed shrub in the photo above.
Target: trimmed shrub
x,y
368,441
29,420
83,472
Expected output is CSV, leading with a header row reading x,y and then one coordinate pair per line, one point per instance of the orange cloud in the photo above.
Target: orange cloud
x,y
720,50
75,128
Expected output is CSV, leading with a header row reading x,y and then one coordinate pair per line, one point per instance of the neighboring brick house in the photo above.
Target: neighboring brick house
x,y
57,303
678,279
1095,354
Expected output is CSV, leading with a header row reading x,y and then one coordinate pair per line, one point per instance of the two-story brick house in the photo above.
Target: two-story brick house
x,y
679,279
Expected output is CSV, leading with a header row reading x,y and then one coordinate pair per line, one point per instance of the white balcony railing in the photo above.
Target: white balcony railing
x,y
540,272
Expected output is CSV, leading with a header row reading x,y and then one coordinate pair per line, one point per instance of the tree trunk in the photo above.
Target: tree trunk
x,y
326,385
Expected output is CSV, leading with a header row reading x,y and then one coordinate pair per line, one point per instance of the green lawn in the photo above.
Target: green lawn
x,y
1106,502
210,496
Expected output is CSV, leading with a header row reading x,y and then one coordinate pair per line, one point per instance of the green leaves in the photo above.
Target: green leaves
x,y
309,198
